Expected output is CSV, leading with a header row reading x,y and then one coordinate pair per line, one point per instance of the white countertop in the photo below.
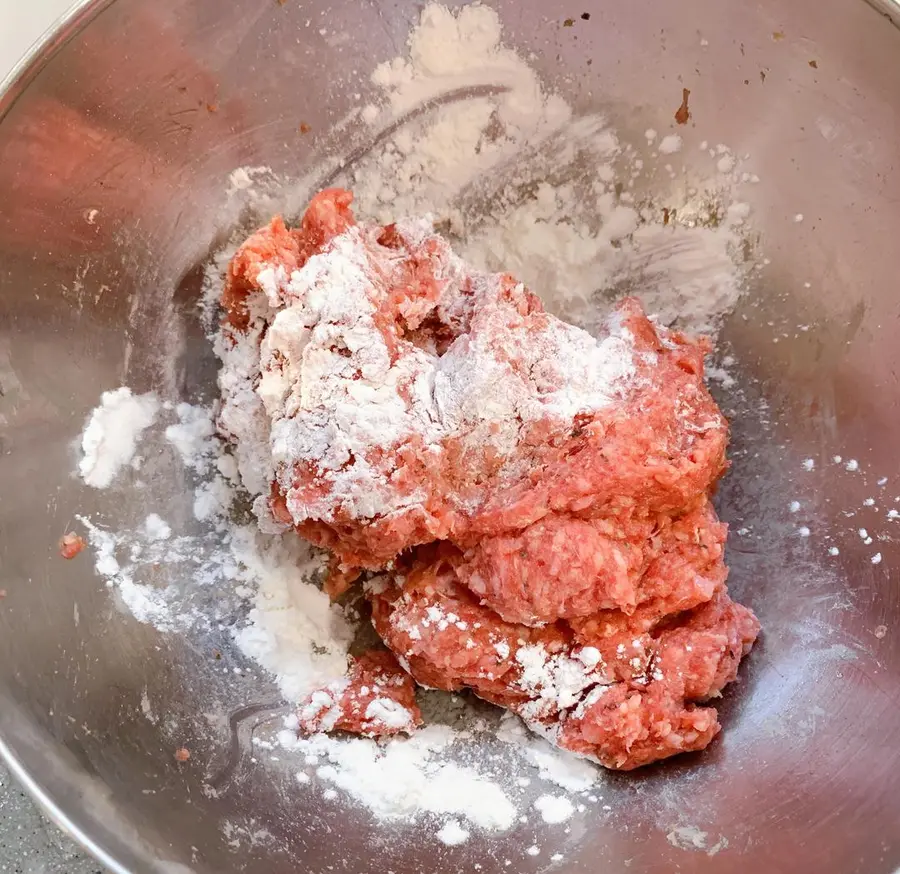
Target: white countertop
x,y
21,23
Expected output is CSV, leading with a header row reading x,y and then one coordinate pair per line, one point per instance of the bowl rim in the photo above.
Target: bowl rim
x,y
49,807
889,8
54,37
12,86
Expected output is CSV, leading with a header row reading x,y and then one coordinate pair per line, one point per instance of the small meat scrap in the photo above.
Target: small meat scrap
x,y
70,545
376,698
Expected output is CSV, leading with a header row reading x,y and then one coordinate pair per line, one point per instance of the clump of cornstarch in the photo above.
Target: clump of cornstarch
x,y
292,630
405,778
452,833
110,437
554,809
670,144
194,436
156,528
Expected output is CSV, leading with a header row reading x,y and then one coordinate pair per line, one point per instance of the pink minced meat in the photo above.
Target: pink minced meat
x,y
377,697
654,715
535,498
428,401
567,567
561,679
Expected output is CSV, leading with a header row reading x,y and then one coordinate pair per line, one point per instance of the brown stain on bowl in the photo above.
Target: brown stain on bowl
x,y
683,113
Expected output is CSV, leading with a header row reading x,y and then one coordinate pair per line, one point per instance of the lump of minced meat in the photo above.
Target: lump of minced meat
x,y
537,498
566,567
412,398
619,693
375,698
448,640
652,716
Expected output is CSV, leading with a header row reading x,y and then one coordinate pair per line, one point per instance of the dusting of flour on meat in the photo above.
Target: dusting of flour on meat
x,y
337,388
537,497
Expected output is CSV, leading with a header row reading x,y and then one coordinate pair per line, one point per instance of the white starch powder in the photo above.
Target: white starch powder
x,y
111,434
554,809
407,777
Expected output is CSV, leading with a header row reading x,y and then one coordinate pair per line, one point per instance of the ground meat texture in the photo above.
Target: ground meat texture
x,y
565,567
532,503
376,698
659,450
490,414
447,640
558,567
620,689
699,652
653,716
623,728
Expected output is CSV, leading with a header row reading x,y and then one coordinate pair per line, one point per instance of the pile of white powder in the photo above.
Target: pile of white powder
x,y
111,435
522,185
518,184
483,166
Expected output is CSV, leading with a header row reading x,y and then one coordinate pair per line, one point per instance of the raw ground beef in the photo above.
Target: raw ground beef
x,y
535,499
620,689
377,697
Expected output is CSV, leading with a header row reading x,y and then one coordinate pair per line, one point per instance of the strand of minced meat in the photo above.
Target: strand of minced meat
x,y
540,496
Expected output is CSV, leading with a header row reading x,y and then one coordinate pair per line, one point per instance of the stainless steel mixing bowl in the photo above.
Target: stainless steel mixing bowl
x,y
115,139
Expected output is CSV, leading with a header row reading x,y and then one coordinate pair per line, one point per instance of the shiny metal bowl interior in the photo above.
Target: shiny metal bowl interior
x,y
140,110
